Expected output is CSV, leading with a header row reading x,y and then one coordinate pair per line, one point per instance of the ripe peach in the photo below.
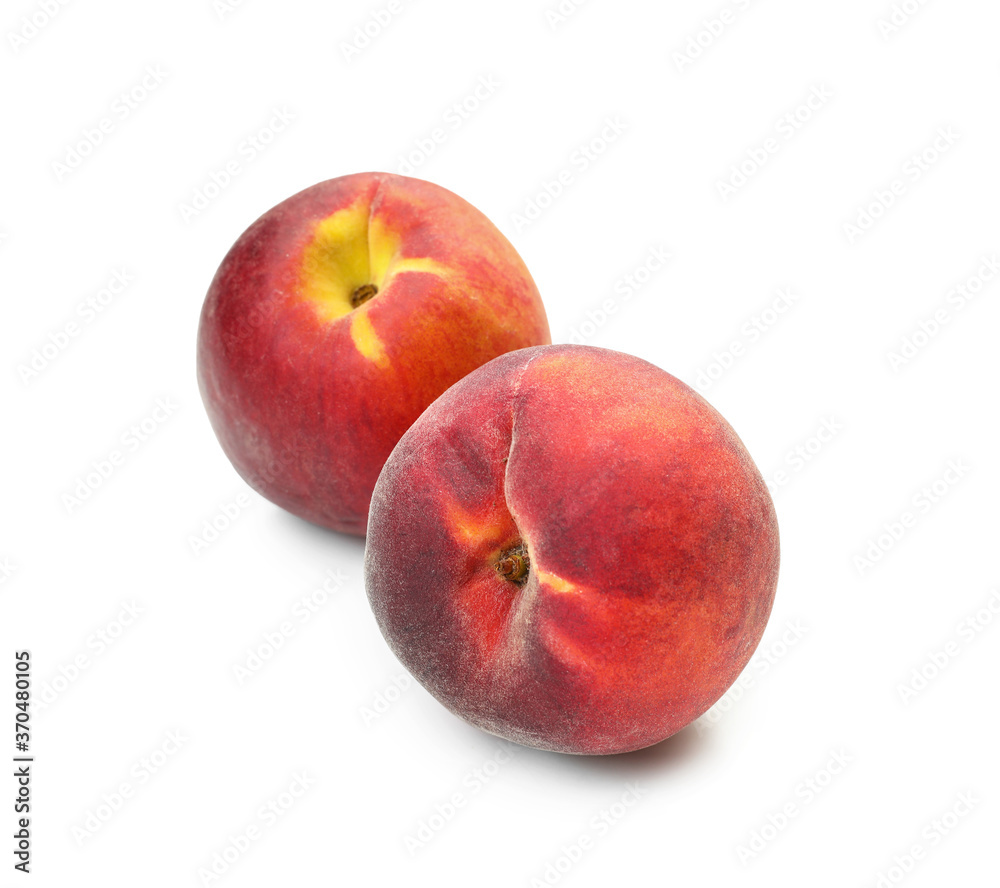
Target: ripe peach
x,y
573,550
337,317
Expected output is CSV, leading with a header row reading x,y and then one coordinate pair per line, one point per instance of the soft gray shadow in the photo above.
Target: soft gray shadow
x,y
679,751
314,536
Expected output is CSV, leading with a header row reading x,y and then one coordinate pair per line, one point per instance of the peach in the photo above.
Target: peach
x,y
337,317
573,550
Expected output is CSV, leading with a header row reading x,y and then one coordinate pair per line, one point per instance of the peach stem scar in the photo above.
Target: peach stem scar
x,y
362,294
513,565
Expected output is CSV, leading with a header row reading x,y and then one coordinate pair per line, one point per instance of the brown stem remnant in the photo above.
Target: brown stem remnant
x,y
514,565
362,294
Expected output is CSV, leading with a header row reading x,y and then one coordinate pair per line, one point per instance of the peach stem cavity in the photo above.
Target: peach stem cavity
x,y
514,564
362,294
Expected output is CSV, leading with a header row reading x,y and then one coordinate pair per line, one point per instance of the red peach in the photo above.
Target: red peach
x,y
573,550
337,317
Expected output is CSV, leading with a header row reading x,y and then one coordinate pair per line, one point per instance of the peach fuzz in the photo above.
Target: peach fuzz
x,y
337,317
573,550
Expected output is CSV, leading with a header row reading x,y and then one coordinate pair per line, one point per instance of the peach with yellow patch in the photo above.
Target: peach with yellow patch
x,y
573,550
337,317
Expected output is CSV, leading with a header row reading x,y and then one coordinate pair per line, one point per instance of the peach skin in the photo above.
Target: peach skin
x,y
573,550
337,317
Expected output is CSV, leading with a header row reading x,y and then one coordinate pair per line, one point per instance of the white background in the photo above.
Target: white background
x,y
821,706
